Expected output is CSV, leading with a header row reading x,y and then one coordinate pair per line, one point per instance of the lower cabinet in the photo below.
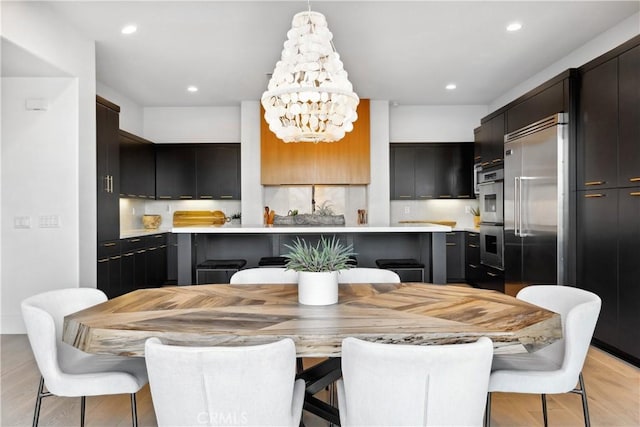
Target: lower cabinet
x,y
608,264
477,274
455,256
133,263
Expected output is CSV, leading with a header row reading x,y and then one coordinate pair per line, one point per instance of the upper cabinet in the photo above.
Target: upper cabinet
x,y
344,162
198,171
108,169
218,171
609,123
431,171
489,140
137,167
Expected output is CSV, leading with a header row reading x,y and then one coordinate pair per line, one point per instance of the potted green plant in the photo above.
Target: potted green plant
x,y
317,267
475,211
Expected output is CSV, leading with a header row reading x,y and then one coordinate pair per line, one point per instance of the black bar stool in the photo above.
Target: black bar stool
x,y
272,261
224,265
400,264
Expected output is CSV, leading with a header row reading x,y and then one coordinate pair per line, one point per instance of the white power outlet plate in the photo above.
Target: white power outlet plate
x,y
467,209
407,209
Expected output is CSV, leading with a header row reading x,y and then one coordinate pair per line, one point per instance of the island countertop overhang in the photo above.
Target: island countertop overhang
x,y
287,229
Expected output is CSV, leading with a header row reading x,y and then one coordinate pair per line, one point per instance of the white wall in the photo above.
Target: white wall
x,y
39,177
603,43
72,247
434,123
192,124
131,114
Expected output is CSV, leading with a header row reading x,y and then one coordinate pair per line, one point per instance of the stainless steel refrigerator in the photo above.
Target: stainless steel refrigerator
x,y
536,210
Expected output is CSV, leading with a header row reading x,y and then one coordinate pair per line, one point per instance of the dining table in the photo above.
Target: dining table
x,y
239,315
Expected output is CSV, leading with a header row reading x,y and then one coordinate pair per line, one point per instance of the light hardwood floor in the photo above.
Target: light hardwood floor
x,y
613,388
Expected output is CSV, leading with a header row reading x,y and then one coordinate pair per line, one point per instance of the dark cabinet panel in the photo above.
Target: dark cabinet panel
x,y
543,104
598,127
597,228
137,167
431,171
175,171
473,271
108,268
455,257
629,271
491,279
107,167
629,118
218,171
403,179
489,140
156,260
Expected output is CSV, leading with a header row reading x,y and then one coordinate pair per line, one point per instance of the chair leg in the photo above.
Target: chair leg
x,y
83,401
544,409
39,396
487,412
134,411
585,404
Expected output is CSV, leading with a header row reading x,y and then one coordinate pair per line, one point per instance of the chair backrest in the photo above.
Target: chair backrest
x,y
264,275
436,385
368,275
43,316
579,311
224,385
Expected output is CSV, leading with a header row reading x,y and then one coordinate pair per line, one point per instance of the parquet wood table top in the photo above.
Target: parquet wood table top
x,y
406,313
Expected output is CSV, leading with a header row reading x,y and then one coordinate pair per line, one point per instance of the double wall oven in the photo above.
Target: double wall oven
x,y
491,188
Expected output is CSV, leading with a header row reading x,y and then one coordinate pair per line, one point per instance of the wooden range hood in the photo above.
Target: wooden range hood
x,y
344,162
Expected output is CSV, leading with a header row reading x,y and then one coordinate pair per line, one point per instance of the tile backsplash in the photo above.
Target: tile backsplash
x,y
439,210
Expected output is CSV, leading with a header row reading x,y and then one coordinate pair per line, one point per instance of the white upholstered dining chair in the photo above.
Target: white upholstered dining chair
x,y
276,275
67,371
367,275
410,385
252,385
556,368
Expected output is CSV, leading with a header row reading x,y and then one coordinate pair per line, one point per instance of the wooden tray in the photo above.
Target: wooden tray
x,y
187,218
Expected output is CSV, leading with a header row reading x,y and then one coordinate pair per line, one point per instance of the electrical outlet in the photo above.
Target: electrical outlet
x,y
467,209
407,209
133,211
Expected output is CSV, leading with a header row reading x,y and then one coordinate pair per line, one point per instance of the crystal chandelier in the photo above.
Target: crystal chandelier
x,y
309,97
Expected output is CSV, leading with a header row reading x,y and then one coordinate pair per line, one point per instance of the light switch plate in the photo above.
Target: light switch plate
x,y
48,221
21,222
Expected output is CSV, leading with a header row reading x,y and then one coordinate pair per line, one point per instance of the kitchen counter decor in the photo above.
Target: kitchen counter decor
x,y
308,219
317,268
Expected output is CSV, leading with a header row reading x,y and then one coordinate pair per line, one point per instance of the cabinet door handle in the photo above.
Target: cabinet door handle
x,y
426,197
115,257
591,183
594,195
129,254
141,251
473,266
496,160
404,197
635,179
225,196
472,234
484,163
164,197
108,245
206,197
491,274
152,249
111,184
134,240
444,196
451,244
106,183
635,193
186,197
471,245
464,196
103,260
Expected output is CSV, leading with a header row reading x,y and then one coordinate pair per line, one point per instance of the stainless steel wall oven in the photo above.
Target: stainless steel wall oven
x,y
491,197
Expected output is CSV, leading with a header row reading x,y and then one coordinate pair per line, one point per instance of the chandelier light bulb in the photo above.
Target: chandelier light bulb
x,y
309,97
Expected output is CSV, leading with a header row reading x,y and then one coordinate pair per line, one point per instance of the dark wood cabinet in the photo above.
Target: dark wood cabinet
x,y
473,269
108,170
629,118
137,167
175,171
156,260
598,127
218,171
108,268
198,171
490,139
536,107
597,228
455,257
629,271
431,171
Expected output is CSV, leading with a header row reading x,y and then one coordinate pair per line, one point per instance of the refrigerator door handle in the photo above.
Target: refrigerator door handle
x,y
517,213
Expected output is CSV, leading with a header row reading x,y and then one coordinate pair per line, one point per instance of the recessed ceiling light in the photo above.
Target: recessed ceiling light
x,y
514,26
450,86
129,29
192,89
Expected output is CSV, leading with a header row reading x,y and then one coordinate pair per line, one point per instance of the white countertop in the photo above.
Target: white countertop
x,y
286,229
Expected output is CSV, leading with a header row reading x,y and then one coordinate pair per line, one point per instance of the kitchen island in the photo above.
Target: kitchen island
x,y
425,242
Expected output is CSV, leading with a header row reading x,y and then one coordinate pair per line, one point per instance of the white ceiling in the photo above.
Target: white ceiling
x,y
402,51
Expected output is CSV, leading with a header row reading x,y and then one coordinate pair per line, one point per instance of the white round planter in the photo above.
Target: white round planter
x,y
317,288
